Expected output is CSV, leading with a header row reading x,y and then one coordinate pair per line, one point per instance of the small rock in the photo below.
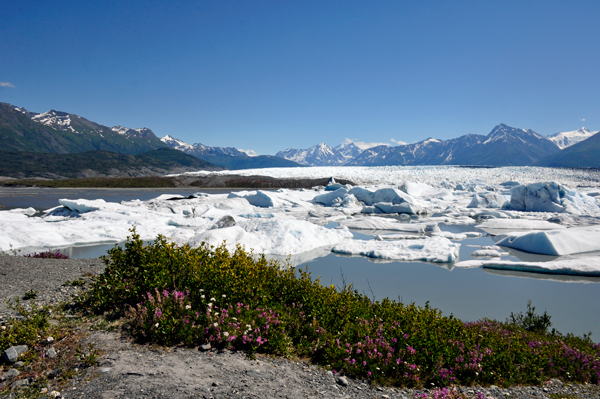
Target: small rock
x,y
54,394
342,381
18,364
13,353
12,373
105,369
49,340
205,347
329,373
54,373
51,353
20,383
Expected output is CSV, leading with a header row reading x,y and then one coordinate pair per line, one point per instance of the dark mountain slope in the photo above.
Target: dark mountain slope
x,y
585,154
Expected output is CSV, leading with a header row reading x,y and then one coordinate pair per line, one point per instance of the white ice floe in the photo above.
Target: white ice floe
x,y
588,266
503,226
552,197
273,236
432,249
457,236
488,253
382,223
555,242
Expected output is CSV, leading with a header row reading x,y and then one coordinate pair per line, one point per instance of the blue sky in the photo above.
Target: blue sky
x,y
269,75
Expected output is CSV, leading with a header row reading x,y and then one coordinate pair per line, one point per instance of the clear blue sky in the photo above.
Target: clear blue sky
x,y
268,75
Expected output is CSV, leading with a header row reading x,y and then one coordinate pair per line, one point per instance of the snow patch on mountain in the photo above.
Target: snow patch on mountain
x,y
55,119
567,139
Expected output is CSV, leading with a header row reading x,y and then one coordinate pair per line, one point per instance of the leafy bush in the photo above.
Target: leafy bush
x,y
530,321
180,295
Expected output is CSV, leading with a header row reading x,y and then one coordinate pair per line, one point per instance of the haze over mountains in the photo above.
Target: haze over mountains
x,y
55,132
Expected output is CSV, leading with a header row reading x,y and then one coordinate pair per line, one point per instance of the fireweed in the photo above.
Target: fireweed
x,y
182,295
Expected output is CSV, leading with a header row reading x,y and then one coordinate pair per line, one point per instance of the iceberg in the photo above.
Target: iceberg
x,y
258,198
433,249
552,197
588,266
555,242
488,200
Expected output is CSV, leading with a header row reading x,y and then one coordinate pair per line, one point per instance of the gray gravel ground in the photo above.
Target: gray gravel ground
x,y
128,370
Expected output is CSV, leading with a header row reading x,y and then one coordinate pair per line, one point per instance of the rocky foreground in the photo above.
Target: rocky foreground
x,y
128,370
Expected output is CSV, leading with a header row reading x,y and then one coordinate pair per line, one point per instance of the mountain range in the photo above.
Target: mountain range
x,y
228,157
54,132
503,146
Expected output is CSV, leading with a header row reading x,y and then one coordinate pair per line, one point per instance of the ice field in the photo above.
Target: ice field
x,y
391,214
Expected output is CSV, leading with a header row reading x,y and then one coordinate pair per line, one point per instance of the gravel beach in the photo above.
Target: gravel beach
x,y
128,370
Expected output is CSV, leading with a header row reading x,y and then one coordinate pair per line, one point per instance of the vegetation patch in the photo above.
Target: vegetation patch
x,y
192,296
47,255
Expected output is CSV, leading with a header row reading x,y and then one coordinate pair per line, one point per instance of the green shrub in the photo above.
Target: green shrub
x,y
530,321
180,295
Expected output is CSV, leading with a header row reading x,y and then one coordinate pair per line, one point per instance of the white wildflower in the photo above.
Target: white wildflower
x,y
226,334
188,306
156,325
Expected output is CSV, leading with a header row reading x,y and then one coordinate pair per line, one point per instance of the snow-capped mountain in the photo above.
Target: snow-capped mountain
x,y
567,139
504,145
317,155
583,154
200,149
228,157
142,133
62,132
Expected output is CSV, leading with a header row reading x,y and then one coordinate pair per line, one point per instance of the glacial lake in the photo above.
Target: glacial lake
x,y
469,294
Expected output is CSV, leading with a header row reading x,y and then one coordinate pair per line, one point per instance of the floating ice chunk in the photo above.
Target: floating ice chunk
x,y
332,185
488,253
501,226
274,236
417,189
555,242
552,197
457,236
82,205
387,195
380,223
433,249
586,266
258,198
388,207
488,200
329,198
383,237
